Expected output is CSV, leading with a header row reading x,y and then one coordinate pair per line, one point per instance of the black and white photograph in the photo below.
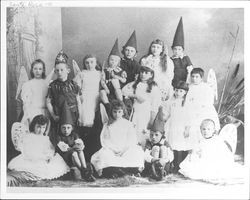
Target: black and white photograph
x,y
124,99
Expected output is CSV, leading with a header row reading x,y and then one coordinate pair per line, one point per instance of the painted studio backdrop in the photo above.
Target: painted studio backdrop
x,y
42,32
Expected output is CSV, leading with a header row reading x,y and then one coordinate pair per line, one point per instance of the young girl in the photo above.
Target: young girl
x,y
162,65
182,63
147,100
112,77
88,80
70,147
179,124
34,92
119,145
37,153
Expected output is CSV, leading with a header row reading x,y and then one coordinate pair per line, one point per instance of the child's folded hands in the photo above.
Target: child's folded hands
x,y
63,146
79,145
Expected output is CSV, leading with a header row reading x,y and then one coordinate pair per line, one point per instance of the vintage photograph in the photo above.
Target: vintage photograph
x,y
123,97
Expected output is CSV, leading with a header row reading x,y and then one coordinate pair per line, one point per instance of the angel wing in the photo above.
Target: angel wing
x,y
18,130
104,115
76,68
50,77
229,135
23,77
128,89
212,82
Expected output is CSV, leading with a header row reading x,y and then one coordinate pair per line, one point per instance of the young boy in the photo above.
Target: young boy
x,y
200,98
112,78
182,63
158,154
63,93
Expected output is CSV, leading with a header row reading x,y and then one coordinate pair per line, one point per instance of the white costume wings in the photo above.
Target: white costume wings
x,y
23,77
229,135
18,131
212,82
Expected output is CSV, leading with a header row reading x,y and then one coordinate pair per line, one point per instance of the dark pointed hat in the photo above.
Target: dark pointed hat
x,y
131,41
115,49
159,123
61,58
66,116
179,35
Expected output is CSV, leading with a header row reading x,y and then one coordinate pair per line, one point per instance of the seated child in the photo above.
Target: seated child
x,y
38,155
157,150
213,158
119,153
70,147
112,77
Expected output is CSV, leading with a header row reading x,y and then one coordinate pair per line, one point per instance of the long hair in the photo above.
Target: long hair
x,y
184,86
98,65
32,66
150,81
115,105
39,119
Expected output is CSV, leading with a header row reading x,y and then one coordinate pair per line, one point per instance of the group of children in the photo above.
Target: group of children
x,y
154,110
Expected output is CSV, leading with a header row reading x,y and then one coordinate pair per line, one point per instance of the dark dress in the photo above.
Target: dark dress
x,y
180,69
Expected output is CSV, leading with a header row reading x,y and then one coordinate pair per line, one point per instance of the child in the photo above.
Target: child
x,y
157,150
182,63
119,146
37,153
128,62
88,80
179,124
34,93
70,147
63,93
162,65
147,100
200,99
212,158
113,76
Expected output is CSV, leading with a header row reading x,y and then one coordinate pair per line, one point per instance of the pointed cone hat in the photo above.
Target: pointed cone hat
x,y
66,116
159,123
131,41
179,35
115,49
61,57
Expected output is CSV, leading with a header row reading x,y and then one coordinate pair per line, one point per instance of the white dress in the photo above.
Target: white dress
x,y
163,79
88,81
33,95
118,136
39,158
142,110
179,118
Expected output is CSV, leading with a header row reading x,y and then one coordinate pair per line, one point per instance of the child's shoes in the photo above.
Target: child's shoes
x,y
87,173
75,173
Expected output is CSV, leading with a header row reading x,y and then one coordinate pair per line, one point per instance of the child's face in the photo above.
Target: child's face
x,y
117,113
178,51
145,75
40,129
129,52
179,93
156,49
37,70
66,129
196,79
114,61
90,63
62,71
155,137
207,129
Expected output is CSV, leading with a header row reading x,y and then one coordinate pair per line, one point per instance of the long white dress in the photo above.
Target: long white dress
x,y
142,110
39,158
163,79
33,95
88,81
116,137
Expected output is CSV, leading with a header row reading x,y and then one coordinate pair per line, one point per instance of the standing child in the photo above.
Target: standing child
x,y
179,124
63,93
112,78
34,92
147,100
119,146
182,63
162,65
70,147
158,153
88,80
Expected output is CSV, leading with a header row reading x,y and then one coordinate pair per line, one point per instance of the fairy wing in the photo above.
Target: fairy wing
x,y
50,77
229,135
212,82
23,77
76,68
104,115
18,131
128,89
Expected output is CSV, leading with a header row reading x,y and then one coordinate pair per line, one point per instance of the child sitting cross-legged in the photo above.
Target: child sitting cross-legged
x,y
158,154
70,147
